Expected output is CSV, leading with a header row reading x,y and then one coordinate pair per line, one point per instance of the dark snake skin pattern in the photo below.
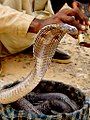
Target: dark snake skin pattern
x,y
9,113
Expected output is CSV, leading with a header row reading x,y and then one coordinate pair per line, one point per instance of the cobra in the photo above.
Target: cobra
x,y
46,42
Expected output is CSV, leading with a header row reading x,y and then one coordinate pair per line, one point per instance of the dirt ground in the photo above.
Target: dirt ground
x,y
76,73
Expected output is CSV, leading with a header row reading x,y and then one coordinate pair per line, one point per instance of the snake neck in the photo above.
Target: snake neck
x,y
45,46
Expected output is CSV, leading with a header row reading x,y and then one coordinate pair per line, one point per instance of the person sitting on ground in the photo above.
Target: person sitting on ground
x,y
21,20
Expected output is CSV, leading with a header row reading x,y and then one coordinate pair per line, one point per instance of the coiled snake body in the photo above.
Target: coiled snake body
x,y
45,45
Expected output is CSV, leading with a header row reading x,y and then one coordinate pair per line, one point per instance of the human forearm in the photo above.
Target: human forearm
x,y
37,24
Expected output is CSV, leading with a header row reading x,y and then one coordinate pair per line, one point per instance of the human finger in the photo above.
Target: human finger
x,y
70,20
76,13
76,4
80,16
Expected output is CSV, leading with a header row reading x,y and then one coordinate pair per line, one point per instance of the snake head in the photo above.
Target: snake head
x,y
71,30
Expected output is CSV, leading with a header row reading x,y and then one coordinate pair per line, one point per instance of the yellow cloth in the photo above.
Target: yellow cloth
x,y
15,19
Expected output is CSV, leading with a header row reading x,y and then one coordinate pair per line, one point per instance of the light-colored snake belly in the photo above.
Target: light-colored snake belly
x,y
45,45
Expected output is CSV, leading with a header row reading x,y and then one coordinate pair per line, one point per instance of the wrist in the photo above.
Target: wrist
x,y
35,26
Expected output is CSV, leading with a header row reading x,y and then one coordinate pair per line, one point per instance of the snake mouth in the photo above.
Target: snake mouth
x,y
11,85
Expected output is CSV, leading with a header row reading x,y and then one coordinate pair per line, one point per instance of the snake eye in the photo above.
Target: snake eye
x,y
11,85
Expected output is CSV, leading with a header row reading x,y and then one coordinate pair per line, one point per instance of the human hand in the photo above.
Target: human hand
x,y
73,17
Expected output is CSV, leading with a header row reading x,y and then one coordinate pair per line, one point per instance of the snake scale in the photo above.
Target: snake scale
x,y
45,103
33,98
46,42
